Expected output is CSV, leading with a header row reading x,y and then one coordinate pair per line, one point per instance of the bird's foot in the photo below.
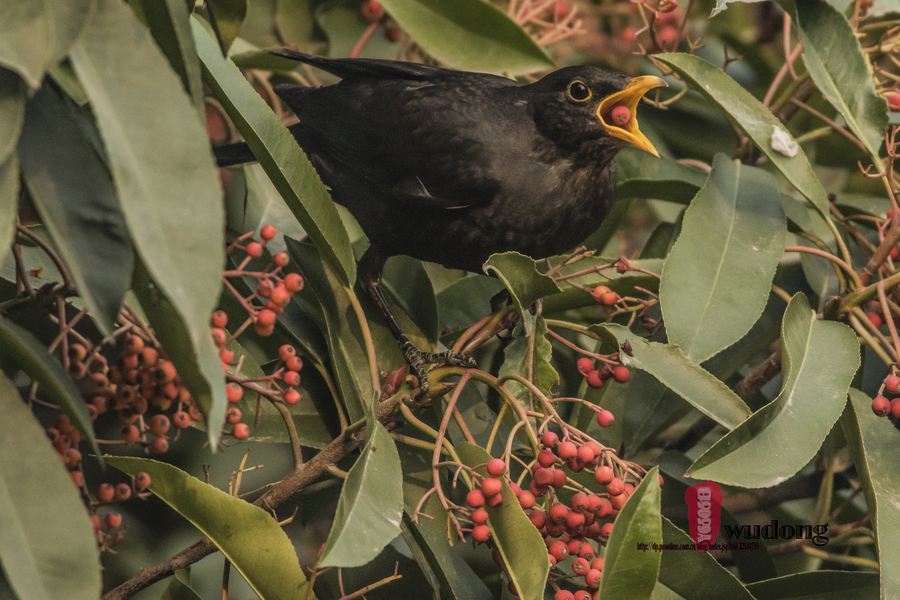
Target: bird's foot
x,y
417,360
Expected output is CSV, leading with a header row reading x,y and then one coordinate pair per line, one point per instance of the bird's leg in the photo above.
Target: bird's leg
x,y
370,267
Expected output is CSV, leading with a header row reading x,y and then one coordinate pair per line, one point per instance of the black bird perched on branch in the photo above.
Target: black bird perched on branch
x,y
451,167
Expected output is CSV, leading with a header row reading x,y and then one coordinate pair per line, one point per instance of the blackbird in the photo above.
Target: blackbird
x,y
450,166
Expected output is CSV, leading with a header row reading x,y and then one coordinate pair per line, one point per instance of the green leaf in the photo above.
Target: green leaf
x,y
247,535
687,379
265,206
723,4
295,23
731,241
35,35
839,68
874,444
780,438
629,572
20,348
75,196
342,329
406,281
47,541
751,117
641,175
465,301
525,284
455,578
469,35
693,574
226,17
9,203
167,182
529,357
279,155
12,112
371,504
519,543
343,27
169,22
197,360
819,585
179,587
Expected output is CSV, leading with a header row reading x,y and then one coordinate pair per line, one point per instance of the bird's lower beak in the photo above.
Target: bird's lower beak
x,y
624,125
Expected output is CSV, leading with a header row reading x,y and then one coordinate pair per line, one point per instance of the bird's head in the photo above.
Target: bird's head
x,y
577,105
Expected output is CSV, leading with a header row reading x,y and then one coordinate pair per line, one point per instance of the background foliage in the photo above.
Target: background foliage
x,y
754,302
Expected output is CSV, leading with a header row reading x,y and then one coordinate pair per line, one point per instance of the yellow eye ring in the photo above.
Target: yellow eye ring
x,y
578,91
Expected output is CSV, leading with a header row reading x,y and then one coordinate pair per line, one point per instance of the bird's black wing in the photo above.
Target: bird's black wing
x,y
430,137
363,67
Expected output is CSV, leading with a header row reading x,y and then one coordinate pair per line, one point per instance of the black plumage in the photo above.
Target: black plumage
x,y
451,167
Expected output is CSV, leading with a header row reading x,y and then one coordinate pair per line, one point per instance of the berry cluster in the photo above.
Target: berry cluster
x,y
373,12
596,378
141,377
273,291
883,407
108,493
573,529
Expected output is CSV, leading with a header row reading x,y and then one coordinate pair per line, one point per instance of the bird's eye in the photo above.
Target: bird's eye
x,y
578,91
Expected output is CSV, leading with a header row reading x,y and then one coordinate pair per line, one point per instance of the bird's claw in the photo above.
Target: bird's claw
x,y
417,360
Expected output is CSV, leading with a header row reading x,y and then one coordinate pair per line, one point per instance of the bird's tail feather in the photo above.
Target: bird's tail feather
x,y
233,154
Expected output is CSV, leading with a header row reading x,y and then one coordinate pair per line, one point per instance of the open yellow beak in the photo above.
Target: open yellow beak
x,y
629,98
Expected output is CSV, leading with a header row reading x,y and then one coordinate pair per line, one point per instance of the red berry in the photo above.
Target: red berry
x,y
475,499
621,374
574,522
226,355
546,458
580,566
105,493
267,232
392,33
599,291
615,487
254,249
292,378
628,35
234,392
293,282
892,384
123,492
371,10
585,454
479,516
160,445
537,489
895,253
241,431
587,552
582,595
579,502
481,533
559,478
496,467
130,434
281,259
550,440
538,518
491,487
605,418
286,351
543,476
597,563
266,317
567,450
95,521
280,295
159,425
112,520
219,336
881,406
141,481
594,380
181,420
875,319
264,288
526,499
492,501
585,365
232,416
895,407
605,508
294,363
291,397
558,512
559,551
893,100
620,115
564,595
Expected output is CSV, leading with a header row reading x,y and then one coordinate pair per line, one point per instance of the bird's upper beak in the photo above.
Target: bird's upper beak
x,y
629,97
